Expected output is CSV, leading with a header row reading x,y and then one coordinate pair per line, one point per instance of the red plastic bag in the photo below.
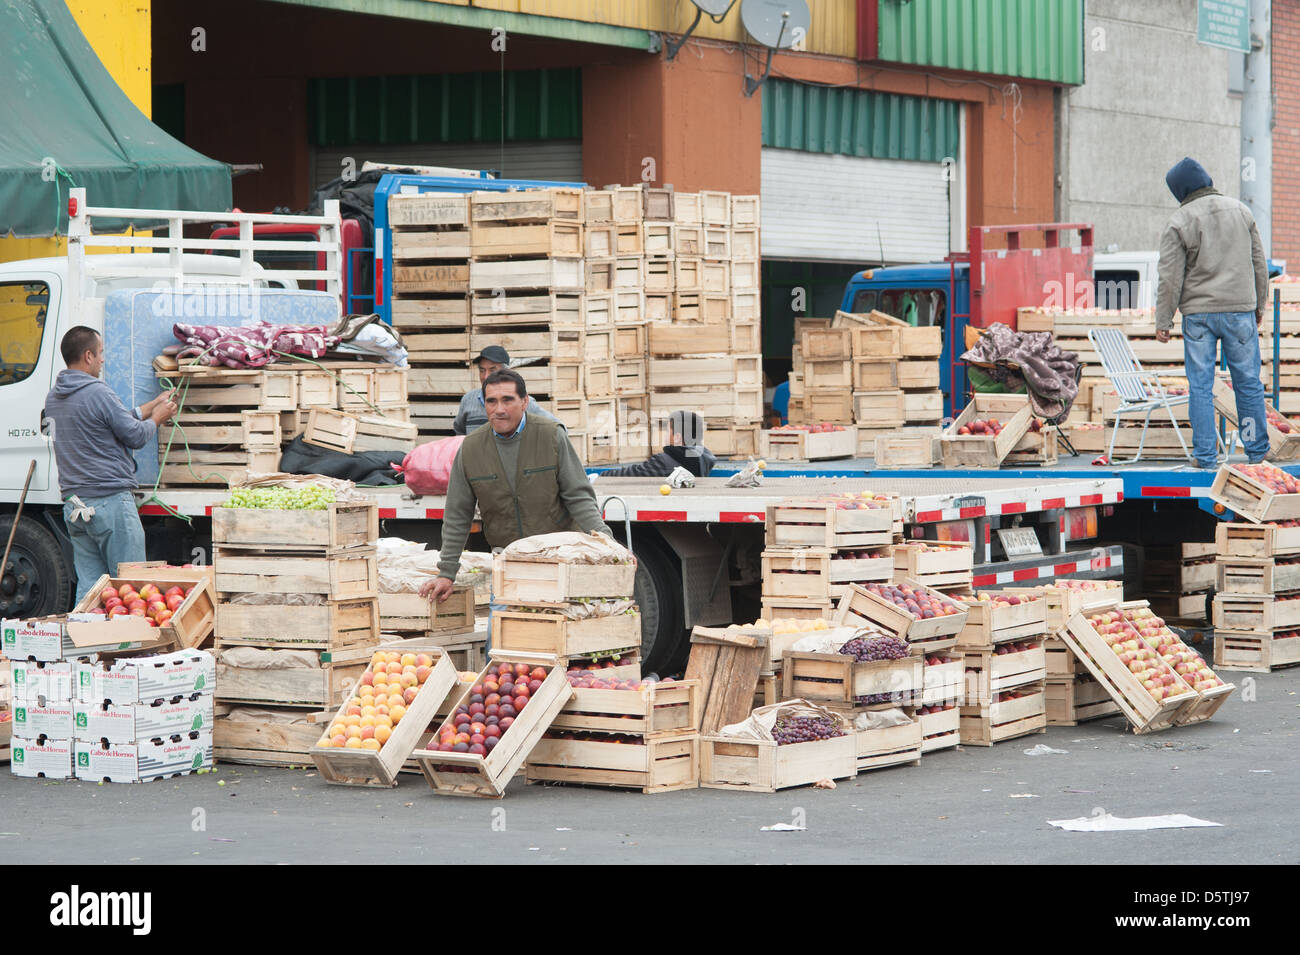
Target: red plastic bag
x,y
428,468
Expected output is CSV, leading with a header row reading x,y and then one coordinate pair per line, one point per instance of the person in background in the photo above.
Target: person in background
x,y
685,449
94,435
472,413
1212,269
781,401
522,475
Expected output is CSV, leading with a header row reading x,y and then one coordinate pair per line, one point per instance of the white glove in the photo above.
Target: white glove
x,y
680,477
82,512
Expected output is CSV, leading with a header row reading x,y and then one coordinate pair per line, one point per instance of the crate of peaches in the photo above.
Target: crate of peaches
x,y
1257,492
1212,691
1065,597
181,609
995,617
374,732
849,520
1147,688
925,618
1283,434
495,724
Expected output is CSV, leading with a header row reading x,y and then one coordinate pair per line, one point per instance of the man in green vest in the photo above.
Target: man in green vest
x,y
521,472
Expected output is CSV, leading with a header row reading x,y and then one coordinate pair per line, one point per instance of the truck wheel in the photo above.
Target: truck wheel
x,y
37,581
658,593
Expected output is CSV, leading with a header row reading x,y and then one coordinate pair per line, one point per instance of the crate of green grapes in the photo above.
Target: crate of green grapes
x,y
300,520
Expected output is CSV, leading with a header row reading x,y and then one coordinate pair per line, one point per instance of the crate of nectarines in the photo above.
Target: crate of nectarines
x,y
987,430
1257,492
495,724
393,702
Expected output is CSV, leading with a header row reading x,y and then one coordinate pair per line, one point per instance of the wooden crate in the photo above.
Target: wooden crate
x,y
249,430
652,764
987,626
883,409
354,434
190,624
741,274
1144,713
1256,540
1063,603
1040,447
555,238
733,441
544,583
1004,720
332,625
918,373
1256,575
802,572
817,524
561,308
940,730
1074,701
1061,661
345,576
778,445
326,685
872,375
889,746
873,341
361,767
431,279
726,663
598,205
1250,499
521,274
1282,446
269,742
271,389
429,210
986,451
1255,612
845,570
1157,442
659,239
934,563
796,608
745,245
818,407
819,344
715,208
923,407
763,766
916,448
656,709
529,205
197,468
689,340
628,203
1256,651
860,607
943,682
411,612
558,636
840,679
430,312
989,672
745,212
1209,700
830,374
468,774
556,343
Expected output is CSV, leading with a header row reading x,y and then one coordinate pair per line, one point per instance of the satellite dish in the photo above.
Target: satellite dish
x,y
778,24
717,11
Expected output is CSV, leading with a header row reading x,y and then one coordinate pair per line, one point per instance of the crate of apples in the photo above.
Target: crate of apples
x,y
182,609
156,606
375,731
991,427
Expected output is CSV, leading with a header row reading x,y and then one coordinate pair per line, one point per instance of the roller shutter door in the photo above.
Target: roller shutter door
x,y
558,159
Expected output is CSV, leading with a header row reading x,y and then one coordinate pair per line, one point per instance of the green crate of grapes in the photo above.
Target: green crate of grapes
x,y
306,520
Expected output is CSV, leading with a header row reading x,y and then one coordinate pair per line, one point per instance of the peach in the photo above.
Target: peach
x,y
368,732
397,713
353,732
408,659
382,733
339,739
371,744
353,743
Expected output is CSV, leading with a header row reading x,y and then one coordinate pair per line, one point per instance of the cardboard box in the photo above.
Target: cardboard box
x,y
33,681
135,722
147,679
50,639
51,758
54,720
139,762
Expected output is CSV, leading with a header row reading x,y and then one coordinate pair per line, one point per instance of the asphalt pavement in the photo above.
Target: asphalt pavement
x,y
969,805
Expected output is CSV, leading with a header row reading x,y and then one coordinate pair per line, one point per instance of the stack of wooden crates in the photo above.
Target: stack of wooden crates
x,y
1006,669
234,422
1257,607
284,665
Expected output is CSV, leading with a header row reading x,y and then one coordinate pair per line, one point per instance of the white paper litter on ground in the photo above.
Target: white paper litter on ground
x,y
1024,795
783,827
1042,749
1109,823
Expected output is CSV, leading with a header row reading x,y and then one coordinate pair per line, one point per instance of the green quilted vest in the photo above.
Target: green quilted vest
x,y
535,506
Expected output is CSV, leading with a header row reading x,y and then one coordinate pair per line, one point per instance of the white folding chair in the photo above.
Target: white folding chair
x,y
1139,391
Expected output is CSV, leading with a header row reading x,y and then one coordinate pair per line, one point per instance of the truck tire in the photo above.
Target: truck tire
x,y
38,579
658,593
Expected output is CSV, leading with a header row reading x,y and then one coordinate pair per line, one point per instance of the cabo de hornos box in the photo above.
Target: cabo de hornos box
x,y
51,758
34,720
33,681
145,679
138,762
132,722
66,637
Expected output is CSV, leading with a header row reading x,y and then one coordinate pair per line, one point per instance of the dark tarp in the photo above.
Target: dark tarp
x,y
61,106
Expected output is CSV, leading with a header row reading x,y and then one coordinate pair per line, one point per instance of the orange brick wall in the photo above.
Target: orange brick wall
x,y
1286,135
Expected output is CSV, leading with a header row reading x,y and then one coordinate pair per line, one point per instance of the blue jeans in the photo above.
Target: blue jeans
x,y
112,536
1240,337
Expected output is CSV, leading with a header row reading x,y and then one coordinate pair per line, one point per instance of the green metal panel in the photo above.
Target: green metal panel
x,y
863,123
1033,39
450,108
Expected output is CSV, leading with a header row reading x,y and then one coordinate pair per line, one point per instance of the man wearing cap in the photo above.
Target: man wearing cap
x,y
472,413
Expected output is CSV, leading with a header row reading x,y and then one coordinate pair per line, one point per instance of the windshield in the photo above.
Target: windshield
x,y
922,306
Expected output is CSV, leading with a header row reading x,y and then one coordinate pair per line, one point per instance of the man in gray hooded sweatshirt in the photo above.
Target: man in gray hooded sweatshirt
x,y
94,435
1212,269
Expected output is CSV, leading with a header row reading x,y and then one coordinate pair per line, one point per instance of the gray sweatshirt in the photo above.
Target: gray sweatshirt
x,y
575,491
472,413
94,434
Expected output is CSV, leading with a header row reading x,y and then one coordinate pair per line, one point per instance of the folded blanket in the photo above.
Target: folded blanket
x,y
1051,376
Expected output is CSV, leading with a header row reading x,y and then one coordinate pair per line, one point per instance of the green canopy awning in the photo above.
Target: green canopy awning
x,y
65,122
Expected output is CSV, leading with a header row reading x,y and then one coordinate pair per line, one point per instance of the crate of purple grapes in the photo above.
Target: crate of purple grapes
x,y
925,618
794,743
867,670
